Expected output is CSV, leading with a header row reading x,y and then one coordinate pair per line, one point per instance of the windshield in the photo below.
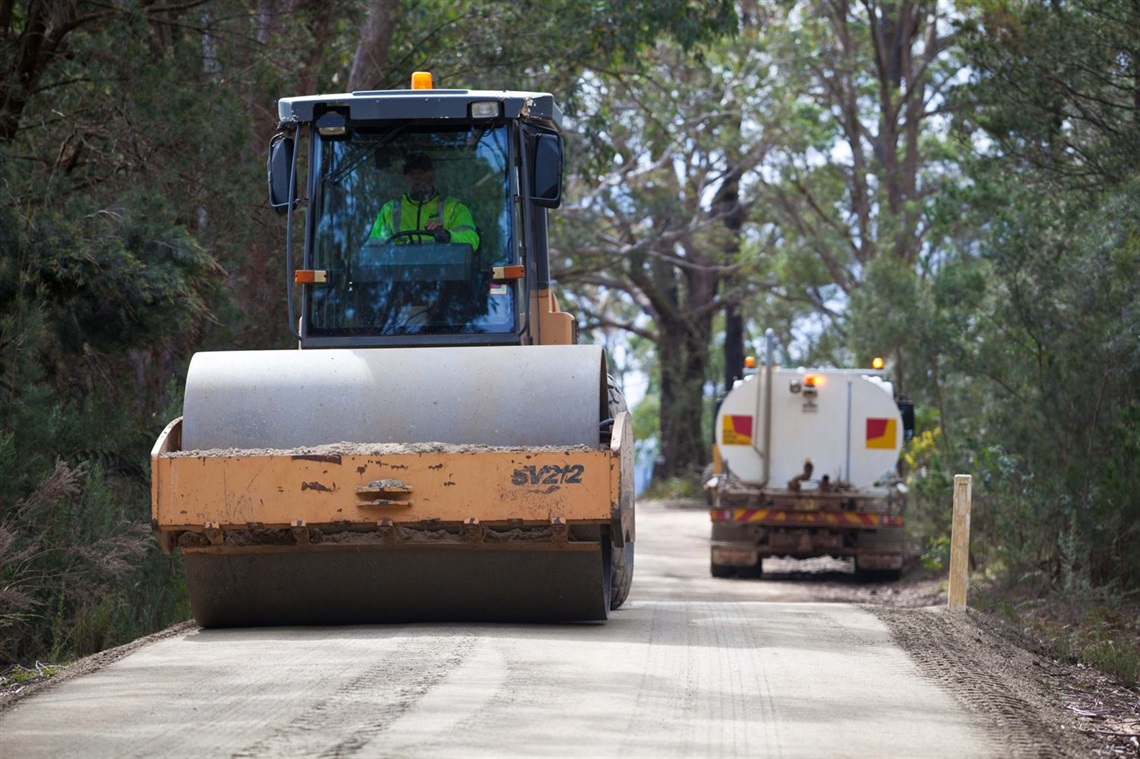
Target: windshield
x,y
408,223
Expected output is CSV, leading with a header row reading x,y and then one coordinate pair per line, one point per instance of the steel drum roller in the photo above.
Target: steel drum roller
x,y
499,396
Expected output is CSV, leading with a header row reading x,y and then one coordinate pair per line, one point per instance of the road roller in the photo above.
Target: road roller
x,y
805,464
439,447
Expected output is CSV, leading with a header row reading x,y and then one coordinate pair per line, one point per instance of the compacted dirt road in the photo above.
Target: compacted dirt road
x,y
690,667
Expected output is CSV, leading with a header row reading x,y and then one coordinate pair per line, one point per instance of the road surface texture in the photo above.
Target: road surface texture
x,y
691,667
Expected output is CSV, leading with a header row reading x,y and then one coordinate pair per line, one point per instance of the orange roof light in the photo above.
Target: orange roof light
x,y
421,80
749,362
813,380
877,362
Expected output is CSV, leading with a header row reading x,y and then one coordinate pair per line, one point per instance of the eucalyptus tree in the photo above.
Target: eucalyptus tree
x,y
529,45
133,231
1056,92
856,182
663,223
776,171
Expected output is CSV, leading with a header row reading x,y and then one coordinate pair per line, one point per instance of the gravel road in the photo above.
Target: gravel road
x,y
691,667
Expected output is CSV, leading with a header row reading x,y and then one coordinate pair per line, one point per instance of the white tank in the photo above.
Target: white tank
x,y
845,422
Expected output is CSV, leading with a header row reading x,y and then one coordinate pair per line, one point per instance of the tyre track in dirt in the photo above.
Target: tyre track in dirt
x,y
352,716
990,677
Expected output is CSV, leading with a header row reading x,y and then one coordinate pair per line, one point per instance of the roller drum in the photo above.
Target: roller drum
x,y
495,395
369,586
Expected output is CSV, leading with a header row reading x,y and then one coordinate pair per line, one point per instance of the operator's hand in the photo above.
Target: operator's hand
x,y
436,228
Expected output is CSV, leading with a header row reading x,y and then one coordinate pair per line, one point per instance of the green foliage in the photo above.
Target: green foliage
x,y
645,418
1055,87
1098,628
134,232
714,158
1056,344
1070,388
936,556
18,675
110,192
675,489
552,42
76,565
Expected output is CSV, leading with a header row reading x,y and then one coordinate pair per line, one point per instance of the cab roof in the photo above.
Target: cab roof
x,y
400,105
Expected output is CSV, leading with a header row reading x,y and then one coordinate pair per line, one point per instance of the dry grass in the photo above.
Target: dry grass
x,y
65,555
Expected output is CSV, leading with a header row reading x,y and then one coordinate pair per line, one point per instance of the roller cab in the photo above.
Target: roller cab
x,y
439,448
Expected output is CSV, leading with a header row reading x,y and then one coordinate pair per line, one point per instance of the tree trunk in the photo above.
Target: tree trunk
x,y
682,355
42,29
372,51
684,336
733,345
727,205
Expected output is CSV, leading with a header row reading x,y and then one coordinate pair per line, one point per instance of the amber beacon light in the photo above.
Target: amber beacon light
x,y
421,80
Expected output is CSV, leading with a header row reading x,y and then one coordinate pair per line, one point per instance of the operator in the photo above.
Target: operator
x,y
422,209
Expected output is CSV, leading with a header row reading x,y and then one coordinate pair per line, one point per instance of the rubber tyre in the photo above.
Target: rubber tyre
x,y
721,570
608,550
877,575
755,572
622,578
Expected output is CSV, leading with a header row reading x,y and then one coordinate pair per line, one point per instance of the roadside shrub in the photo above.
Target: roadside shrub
x,y
79,571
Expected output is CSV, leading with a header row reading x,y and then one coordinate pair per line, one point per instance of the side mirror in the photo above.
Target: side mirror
x,y
280,173
546,171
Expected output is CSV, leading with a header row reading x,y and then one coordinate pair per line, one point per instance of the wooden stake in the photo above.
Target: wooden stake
x,y
960,544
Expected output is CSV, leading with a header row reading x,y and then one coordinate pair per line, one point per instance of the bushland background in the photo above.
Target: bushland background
x,y
951,184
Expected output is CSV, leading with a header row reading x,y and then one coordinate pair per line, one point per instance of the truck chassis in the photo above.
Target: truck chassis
x,y
750,524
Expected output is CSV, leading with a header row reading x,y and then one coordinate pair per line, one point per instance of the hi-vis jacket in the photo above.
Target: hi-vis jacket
x,y
409,215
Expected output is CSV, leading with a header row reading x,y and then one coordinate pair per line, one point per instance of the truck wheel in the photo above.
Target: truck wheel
x,y
621,578
878,575
616,397
721,570
622,574
607,574
753,572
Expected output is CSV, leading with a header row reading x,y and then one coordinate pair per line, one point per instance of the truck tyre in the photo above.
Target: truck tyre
x,y
721,570
607,576
876,575
622,578
621,557
753,572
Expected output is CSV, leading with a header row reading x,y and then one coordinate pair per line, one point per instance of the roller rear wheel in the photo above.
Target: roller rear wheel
x,y
622,578
622,556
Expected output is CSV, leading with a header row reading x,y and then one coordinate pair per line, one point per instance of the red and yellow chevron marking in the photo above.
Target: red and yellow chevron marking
x,y
783,517
737,430
881,433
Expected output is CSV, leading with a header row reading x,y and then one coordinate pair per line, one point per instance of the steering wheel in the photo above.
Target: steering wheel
x,y
416,235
